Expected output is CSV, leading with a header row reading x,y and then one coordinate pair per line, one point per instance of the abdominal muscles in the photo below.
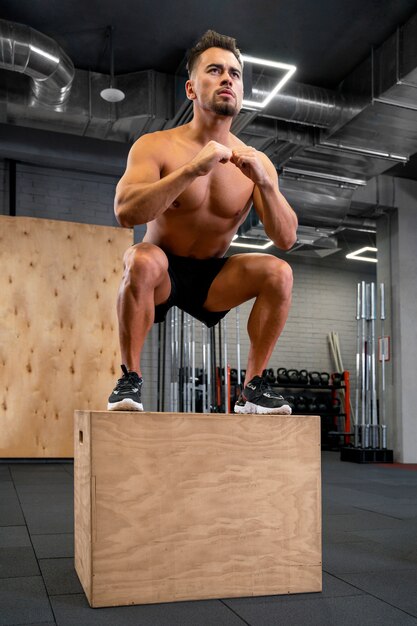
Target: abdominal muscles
x,y
198,234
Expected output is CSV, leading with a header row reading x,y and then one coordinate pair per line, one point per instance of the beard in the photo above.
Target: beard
x,y
224,108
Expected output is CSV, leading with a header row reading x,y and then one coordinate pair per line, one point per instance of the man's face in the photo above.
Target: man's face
x,y
216,82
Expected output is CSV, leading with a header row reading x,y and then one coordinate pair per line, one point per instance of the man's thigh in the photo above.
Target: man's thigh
x,y
241,279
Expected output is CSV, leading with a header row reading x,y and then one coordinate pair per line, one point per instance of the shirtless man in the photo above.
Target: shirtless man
x,y
193,186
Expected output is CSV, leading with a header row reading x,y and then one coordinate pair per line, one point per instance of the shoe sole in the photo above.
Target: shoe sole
x,y
250,408
124,405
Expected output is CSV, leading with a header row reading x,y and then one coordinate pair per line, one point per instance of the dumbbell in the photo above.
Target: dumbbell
x,y
313,407
322,406
336,406
301,404
291,402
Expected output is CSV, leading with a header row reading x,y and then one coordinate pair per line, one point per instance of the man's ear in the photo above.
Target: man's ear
x,y
189,90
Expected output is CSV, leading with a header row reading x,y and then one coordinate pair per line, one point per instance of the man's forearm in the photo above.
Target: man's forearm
x,y
279,220
139,203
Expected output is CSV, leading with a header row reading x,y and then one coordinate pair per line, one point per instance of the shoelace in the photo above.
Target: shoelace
x,y
127,380
265,386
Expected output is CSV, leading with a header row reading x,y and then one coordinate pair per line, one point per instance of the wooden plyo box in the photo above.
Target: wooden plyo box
x,y
180,506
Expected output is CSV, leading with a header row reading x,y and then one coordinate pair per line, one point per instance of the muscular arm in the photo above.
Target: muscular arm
x,y
141,194
279,219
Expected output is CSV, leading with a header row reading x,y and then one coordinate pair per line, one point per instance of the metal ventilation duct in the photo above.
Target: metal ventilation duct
x,y
386,128
310,105
25,50
146,108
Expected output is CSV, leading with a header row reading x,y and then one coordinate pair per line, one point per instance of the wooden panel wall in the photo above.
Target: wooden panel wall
x,y
58,329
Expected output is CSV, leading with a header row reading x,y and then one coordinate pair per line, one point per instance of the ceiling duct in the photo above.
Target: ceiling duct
x,y
317,202
359,224
25,50
146,107
311,241
306,104
373,133
388,80
314,242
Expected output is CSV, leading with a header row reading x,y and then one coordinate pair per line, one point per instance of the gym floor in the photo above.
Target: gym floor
x,y
369,556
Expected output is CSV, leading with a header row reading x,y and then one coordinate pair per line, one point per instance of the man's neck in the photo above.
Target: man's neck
x,y
205,128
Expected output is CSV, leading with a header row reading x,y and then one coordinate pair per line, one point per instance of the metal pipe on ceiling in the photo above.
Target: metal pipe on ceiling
x,y
26,50
313,106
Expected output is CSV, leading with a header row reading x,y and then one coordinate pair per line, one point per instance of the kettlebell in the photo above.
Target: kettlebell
x,y
270,376
324,379
314,379
282,376
293,376
303,377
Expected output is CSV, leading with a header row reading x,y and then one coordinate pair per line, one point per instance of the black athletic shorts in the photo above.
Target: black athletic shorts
x,y
190,284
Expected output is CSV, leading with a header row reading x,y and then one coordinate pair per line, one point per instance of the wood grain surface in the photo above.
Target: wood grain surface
x,y
191,506
83,503
58,329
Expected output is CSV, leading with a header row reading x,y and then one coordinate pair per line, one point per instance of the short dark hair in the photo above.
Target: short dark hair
x,y
211,39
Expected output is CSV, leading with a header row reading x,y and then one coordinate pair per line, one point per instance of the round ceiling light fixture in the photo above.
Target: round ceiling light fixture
x,y
111,94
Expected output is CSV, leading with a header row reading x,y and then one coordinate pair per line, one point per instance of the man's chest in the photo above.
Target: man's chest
x,y
225,191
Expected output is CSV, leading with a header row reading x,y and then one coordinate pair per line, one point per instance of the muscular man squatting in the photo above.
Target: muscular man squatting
x,y
193,186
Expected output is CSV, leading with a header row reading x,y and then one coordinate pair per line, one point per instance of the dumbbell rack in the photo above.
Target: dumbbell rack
x,y
332,434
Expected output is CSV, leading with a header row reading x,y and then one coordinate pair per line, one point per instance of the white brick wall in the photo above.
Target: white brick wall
x,y
65,195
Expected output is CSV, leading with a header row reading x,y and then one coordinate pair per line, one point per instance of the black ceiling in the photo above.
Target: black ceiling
x,y
326,39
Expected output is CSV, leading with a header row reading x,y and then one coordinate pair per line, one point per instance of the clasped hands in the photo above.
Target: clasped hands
x,y
245,158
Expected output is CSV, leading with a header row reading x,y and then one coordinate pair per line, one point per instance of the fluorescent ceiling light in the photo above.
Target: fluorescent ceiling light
x,y
290,69
332,177
257,246
356,255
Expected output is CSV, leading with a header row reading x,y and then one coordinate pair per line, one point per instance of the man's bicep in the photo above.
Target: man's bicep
x,y
143,166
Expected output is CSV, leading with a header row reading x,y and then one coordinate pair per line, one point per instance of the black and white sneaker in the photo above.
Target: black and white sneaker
x,y
126,396
258,397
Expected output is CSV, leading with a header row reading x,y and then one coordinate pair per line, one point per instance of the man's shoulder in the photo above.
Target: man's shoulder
x,y
235,142
153,146
159,137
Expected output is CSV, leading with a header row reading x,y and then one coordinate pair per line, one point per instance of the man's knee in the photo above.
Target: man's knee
x,y
278,274
145,262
